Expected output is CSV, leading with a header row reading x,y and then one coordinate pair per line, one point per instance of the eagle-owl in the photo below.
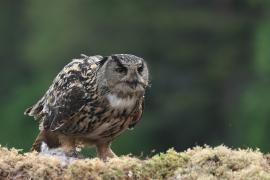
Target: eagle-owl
x,y
91,101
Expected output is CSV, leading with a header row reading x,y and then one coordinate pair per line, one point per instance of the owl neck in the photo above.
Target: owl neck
x,y
120,102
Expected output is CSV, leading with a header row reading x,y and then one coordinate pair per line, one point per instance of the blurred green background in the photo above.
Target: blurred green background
x,y
209,61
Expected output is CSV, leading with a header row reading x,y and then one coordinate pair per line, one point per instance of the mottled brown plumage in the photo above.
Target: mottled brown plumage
x,y
90,102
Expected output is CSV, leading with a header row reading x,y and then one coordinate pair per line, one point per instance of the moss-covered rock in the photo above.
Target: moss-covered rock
x,y
197,163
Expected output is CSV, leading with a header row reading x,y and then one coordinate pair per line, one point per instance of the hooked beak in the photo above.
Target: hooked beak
x,y
133,84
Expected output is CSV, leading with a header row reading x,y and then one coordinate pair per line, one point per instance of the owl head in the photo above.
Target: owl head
x,y
123,74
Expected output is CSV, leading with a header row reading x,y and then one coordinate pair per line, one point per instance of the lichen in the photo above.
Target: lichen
x,y
196,163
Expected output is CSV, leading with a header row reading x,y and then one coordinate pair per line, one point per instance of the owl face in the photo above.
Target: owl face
x,y
126,74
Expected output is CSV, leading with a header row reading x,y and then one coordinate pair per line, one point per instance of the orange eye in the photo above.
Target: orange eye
x,y
140,69
121,70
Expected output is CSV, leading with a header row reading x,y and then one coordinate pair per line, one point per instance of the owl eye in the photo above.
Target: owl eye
x,y
140,69
121,70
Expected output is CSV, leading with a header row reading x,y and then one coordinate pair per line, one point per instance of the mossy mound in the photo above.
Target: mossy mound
x,y
197,163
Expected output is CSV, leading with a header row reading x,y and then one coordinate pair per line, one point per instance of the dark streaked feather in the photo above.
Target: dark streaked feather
x,y
67,105
137,116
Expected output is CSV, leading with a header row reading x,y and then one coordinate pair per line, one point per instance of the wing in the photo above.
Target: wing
x,y
67,95
68,103
137,115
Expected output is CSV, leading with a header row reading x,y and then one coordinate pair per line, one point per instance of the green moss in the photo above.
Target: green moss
x,y
197,163
164,164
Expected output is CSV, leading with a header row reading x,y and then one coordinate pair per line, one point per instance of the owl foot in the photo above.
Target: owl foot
x,y
104,151
72,153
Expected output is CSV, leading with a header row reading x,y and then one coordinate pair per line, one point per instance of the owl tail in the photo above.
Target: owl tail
x,y
35,110
47,137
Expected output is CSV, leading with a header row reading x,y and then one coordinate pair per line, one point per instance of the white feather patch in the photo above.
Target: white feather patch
x,y
117,102
56,152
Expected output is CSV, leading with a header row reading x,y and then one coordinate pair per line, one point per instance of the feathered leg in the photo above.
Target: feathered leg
x,y
50,138
104,150
68,145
